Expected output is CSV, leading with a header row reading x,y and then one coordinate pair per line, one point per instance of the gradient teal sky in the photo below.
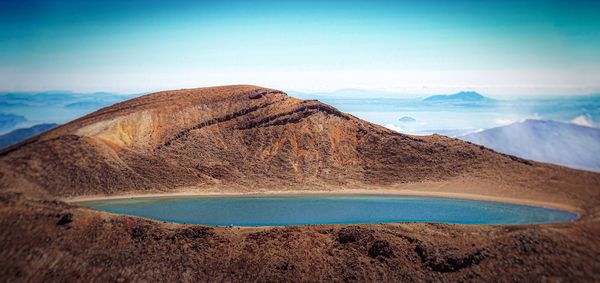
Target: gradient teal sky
x,y
503,47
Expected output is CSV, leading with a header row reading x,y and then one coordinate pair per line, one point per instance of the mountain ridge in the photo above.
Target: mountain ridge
x,y
237,135
555,142
463,96
17,135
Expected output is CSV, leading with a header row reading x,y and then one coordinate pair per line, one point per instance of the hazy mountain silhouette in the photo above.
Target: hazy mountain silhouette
x,y
18,135
547,141
463,96
8,121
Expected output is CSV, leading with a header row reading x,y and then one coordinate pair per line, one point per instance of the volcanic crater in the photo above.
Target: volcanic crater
x,y
248,139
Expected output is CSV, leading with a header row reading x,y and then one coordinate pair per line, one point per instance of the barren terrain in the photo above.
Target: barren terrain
x,y
248,139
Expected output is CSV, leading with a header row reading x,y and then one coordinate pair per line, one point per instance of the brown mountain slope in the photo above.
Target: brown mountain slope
x,y
248,137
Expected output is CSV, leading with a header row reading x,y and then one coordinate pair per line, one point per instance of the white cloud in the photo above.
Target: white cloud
x,y
504,122
508,121
583,120
394,128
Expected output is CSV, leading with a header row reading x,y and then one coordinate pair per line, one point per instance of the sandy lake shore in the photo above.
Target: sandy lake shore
x,y
291,193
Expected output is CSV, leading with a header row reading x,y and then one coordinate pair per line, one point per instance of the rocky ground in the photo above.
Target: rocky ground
x,y
46,240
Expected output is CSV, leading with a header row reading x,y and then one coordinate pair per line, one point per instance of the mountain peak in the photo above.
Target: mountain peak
x,y
469,96
245,136
544,140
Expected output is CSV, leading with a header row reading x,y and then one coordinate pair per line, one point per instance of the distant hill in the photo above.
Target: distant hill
x,y
446,132
88,105
547,141
347,93
8,121
60,98
18,135
463,96
37,98
407,119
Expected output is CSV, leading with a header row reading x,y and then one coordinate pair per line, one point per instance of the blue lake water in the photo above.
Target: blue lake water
x,y
304,210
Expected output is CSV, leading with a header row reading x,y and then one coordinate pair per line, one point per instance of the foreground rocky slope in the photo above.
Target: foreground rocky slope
x,y
247,138
50,241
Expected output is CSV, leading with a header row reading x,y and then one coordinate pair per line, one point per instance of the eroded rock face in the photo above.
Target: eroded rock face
x,y
447,260
236,135
65,219
381,248
353,234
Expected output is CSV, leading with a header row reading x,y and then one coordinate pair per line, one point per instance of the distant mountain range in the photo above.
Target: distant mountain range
x,y
50,107
446,132
460,97
88,105
60,98
546,141
347,93
8,121
407,119
18,135
375,94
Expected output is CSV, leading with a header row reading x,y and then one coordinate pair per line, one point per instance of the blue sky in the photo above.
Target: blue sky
x,y
497,47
